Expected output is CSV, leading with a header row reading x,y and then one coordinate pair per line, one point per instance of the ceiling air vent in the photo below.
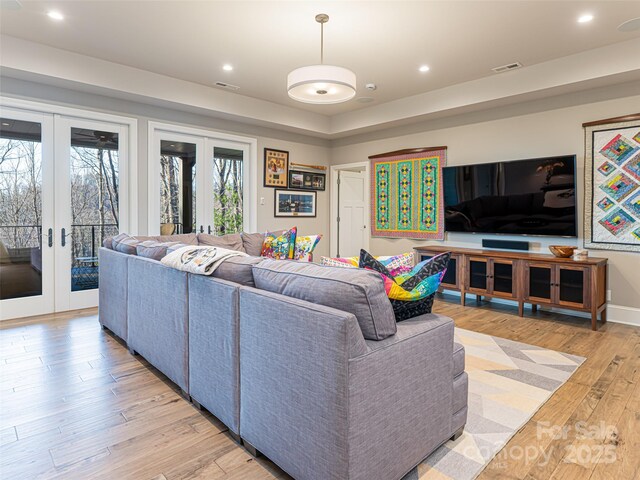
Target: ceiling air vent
x,y
506,68
228,86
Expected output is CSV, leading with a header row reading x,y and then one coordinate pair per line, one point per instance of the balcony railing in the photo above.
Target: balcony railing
x,y
24,244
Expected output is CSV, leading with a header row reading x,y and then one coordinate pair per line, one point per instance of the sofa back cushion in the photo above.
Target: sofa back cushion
x,y
154,250
253,243
238,270
125,243
232,241
187,238
355,291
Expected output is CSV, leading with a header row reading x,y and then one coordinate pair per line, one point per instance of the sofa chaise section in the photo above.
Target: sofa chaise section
x,y
322,402
158,313
214,357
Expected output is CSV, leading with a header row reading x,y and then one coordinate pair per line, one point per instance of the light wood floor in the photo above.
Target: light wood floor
x,y
75,404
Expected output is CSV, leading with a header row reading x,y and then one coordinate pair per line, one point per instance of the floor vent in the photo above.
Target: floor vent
x,y
506,68
228,86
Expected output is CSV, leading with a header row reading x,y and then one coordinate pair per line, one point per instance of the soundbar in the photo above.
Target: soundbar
x,y
506,244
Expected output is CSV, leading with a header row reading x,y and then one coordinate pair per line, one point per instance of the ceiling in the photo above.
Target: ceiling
x,y
170,54
382,42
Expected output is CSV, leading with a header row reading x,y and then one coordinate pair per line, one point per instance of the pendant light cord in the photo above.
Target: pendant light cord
x,y
321,43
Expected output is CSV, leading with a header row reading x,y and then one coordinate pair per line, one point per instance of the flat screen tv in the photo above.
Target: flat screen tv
x,y
522,197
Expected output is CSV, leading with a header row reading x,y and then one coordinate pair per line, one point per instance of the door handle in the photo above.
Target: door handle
x,y
63,237
209,229
201,229
50,237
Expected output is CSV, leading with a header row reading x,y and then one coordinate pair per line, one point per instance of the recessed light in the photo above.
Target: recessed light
x,y
586,18
424,68
227,67
55,15
5,124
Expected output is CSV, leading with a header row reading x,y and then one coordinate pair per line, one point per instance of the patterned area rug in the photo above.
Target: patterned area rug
x,y
508,382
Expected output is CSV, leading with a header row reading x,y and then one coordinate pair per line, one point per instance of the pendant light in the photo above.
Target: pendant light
x,y
321,84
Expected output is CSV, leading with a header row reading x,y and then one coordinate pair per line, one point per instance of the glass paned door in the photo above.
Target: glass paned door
x,y
26,214
177,187
90,158
228,191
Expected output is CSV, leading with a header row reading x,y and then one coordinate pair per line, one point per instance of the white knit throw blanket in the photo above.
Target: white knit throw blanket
x,y
200,260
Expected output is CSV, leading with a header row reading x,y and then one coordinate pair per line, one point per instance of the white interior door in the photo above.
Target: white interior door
x,y
27,230
352,213
90,201
226,177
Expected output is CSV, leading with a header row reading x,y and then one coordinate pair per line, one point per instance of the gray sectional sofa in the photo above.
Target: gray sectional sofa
x,y
304,363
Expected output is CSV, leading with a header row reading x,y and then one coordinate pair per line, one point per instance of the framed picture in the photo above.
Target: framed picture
x,y
306,180
276,168
295,203
612,184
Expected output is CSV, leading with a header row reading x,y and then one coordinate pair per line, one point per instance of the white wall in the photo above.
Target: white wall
x,y
546,133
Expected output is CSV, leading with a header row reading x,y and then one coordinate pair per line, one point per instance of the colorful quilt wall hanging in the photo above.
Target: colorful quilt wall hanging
x,y
406,194
612,184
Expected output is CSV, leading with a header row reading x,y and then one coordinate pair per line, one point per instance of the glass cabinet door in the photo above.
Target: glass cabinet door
x,y
477,274
538,282
502,278
571,285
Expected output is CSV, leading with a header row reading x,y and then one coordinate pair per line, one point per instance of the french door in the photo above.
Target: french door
x,y
63,189
198,183
27,223
88,198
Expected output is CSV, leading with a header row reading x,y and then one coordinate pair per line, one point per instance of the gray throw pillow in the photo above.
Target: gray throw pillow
x,y
154,250
187,238
125,243
232,241
253,243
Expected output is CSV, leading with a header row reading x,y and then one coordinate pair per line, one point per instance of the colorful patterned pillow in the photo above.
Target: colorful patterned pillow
x,y
279,246
305,246
396,264
410,293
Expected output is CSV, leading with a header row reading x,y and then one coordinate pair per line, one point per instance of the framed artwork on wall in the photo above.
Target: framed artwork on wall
x,y
307,180
276,168
612,184
295,203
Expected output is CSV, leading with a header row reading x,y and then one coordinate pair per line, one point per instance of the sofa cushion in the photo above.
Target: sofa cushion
x,y
232,241
108,243
187,238
154,250
125,243
397,264
411,293
252,243
305,246
280,246
356,291
238,270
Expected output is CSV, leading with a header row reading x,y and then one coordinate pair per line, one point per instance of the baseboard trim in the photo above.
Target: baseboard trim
x,y
615,313
622,314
